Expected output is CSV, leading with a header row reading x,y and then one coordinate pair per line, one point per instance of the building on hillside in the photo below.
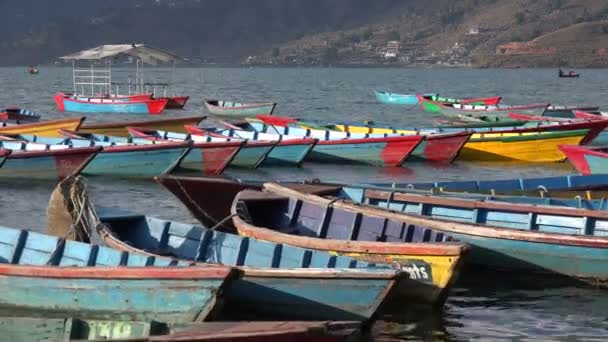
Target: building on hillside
x,y
392,49
524,48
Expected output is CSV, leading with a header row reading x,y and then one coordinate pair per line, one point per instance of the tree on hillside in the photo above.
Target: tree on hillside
x,y
330,54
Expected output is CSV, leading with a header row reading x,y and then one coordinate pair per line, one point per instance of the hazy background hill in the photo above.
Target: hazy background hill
x,y
314,32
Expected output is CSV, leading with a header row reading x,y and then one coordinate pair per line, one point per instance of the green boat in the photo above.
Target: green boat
x,y
430,103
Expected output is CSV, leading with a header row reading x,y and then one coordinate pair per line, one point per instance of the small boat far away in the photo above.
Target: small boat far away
x,y
32,70
569,74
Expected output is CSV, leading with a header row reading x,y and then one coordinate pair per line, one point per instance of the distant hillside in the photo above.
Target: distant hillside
x,y
316,32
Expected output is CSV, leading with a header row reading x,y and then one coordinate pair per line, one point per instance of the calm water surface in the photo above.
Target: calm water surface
x,y
482,308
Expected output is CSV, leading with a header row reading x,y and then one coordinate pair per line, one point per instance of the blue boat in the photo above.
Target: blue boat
x,y
531,239
44,276
29,160
124,157
250,155
289,151
569,183
81,104
280,281
398,99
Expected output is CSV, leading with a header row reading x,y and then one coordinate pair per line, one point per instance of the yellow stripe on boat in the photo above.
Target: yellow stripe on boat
x,y
44,128
444,270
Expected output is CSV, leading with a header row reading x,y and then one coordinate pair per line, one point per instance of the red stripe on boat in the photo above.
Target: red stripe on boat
x,y
576,156
276,120
156,106
445,148
396,151
59,101
216,159
72,164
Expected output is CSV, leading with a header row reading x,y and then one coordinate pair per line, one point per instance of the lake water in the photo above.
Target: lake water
x,y
477,309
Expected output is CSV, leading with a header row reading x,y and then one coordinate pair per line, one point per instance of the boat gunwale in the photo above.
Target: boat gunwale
x,y
452,226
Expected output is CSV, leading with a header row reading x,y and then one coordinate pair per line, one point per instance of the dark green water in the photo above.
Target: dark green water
x,y
479,308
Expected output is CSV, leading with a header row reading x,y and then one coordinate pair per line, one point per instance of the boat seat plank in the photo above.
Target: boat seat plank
x,y
9,251
371,228
309,219
37,248
340,224
394,231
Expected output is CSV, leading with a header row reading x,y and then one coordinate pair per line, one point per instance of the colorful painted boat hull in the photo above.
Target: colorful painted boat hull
x,y
252,154
176,102
44,128
50,165
279,280
211,158
289,154
541,147
209,200
50,278
587,161
119,129
223,108
136,162
398,99
516,237
67,103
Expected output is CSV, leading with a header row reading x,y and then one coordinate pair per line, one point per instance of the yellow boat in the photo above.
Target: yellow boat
x,y
525,145
44,128
119,128
432,266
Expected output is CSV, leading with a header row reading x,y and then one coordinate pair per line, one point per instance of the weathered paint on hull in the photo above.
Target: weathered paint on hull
x,y
44,128
110,299
312,298
543,148
537,257
376,153
251,156
288,155
134,163
44,167
164,125
438,149
600,140
210,161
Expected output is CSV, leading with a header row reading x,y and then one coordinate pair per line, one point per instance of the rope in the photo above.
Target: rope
x,y
200,242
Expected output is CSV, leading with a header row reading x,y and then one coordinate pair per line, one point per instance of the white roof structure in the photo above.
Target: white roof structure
x,y
143,52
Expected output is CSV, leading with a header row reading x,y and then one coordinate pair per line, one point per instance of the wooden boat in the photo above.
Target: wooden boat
x,y
43,128
334,147
81,104
119,128
432,266
460,110
587,160
124,159
556,185
44,276
212,157
250,154
290,151
176,102
435,147
226,108
519,144
279,280
570,74
22,329
393,98
40,161
431,106
19,115
523,238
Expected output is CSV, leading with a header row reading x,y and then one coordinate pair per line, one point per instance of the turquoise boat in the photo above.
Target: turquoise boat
x,y
250,154
290,151
211,157
122,159
44,276
42,161
227,108
587,160
397,99
338,147
280,281
531,239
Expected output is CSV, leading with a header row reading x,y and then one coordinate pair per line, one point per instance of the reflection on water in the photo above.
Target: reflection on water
x,y
479,308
